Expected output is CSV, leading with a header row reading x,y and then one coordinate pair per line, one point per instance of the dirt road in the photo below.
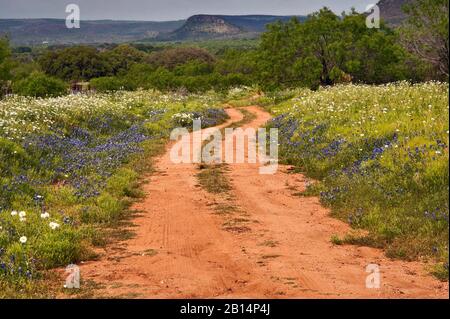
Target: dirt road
x,y
257,241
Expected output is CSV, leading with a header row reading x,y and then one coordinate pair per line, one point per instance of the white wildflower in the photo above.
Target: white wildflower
x,y
45,215
53,225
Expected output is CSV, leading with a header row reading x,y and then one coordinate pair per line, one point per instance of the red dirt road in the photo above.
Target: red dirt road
x,y
271,244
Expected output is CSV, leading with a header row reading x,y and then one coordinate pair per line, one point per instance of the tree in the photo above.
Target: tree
x,y
372,55
193,68
138,76
75,63
5,64
327,49
425,33
121,58
171,58
107,84
279,50
237,61
38,84
324,34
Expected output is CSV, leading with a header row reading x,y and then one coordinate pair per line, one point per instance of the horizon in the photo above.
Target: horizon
x,y
169,10
198,14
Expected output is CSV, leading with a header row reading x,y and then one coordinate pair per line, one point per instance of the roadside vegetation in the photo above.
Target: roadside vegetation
x,y
380,154
71,165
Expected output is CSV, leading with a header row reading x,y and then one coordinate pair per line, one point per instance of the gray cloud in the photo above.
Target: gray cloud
x,y
168,9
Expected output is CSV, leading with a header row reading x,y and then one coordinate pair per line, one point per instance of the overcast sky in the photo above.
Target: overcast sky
x,y
158,10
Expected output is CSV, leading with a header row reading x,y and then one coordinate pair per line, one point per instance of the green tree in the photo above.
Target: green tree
x,y
194,68
121,58
277,54
75,63
238,61
173,57
39,84
327,49
107,84
371,55
5,65
162,79
425,33
138,76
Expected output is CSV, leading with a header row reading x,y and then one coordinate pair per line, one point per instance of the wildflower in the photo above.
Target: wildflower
x,y
53,225
45,215
23,239
13,213
22,214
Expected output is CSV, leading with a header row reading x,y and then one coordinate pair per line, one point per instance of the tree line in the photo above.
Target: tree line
x,y
326,49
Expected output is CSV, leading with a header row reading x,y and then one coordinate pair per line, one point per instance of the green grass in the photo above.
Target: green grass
x,y
213,179
83,222
380,156
269,243
150,252
212,176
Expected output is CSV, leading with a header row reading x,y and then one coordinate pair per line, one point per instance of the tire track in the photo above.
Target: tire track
x,y
287,253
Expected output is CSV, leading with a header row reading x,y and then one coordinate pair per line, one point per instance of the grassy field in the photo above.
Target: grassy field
x,y
70,166
380,156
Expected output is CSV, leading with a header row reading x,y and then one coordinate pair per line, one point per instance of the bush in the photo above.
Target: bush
x,y
40,85
80,63
107,84
173,57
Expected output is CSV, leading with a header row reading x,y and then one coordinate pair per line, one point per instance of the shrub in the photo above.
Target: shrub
x,y
40,85
107,84
171,58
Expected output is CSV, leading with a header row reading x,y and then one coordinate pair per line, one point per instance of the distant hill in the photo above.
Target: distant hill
x,y
391,11
205,26
54,31
197,27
